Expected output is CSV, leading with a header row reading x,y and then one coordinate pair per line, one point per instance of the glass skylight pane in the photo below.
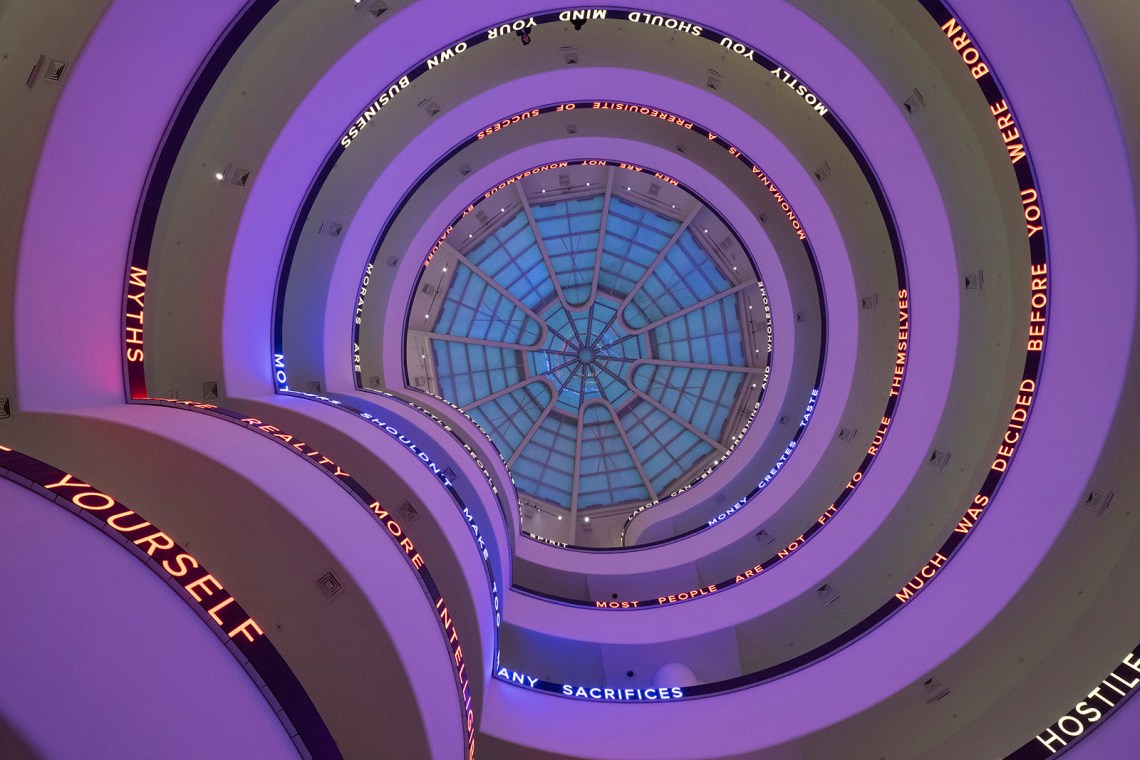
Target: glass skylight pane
x,y
709,335
598,352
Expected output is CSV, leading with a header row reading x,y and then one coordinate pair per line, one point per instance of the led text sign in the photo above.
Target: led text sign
x,y
200,588
478,529
1087,714
391,526
454,52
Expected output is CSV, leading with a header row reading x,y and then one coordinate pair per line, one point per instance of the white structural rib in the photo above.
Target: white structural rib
x,y
466,339
660,257
577,461
695,365
657,405
602,234
698,305
500,290
533,429
512,388
541,245
632,454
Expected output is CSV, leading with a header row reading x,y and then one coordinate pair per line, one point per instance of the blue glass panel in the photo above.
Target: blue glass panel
x,y
569,231
474,309
607,474
708,335
510,256
466,371
663,445
633,238
685,276
545,467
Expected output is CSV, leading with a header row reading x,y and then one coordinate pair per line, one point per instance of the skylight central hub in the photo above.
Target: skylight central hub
x,y
586,354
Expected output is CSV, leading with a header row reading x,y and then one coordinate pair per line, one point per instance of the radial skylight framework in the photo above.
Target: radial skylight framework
x,y
601,338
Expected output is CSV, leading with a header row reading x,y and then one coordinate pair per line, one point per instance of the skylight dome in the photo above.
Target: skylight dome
x,y
598,334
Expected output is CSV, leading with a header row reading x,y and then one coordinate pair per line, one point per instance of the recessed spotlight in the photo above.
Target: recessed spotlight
x,y
706,232
427,316
585,519
219,176
587,184
502,211
734,269
630,189
471,234
445,269
674,205
559,517
544,190
753,385
750,307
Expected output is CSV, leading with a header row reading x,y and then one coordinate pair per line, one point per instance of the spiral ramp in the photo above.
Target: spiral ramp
x,y
505,380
